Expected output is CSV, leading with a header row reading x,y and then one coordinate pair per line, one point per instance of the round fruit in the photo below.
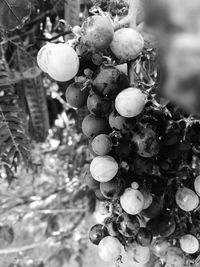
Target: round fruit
x,y
92,126
97,32
103,168
42,56
132,201
154,209
138,253
90,181
162,225
112,189
160,247
186,199
144,141
175,257
127,44
109,248
102,144
171,134
119,123
98,106
99,195
130,102
197,185
61,62
109,81
111,225
144,237
128,225
148,198
76,96
97,233
189,244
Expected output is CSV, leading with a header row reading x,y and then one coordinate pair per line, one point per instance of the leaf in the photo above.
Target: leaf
x,y
14,13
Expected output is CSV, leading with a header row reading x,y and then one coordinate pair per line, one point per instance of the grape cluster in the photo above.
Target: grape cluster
x,y
145,154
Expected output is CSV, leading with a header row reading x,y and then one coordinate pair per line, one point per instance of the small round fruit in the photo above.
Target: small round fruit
x,y
138,253
97,233
128,225
76,96
92,126
148,198
61,62
160,247
99,195
127,44
144,237
90,181
186,199
109,248
130,102
112,189
111,225
103,168
132,201
98,106
145,142
109,81
154,209
42,57
197,185
97,33
189,244
175,257
120,124
102,144
162,225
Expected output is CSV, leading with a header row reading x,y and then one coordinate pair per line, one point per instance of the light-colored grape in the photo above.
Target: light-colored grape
x,y
189,244
186,199
130,102
132,201
103,168
175,257
109,248
197,185
138,254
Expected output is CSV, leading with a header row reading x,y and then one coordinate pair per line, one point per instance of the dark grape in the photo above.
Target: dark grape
x,y
112,189
128,225
144,237
97,233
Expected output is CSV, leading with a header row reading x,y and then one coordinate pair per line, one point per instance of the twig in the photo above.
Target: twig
x,y
55,37
23,248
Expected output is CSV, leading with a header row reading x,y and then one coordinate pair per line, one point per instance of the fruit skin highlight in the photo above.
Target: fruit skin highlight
x,y
109,248
127,44
97,33
60,61
130,102
103,168
186,199
189,244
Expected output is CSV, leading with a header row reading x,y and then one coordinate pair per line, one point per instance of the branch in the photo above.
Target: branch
x,y
23,248
55,37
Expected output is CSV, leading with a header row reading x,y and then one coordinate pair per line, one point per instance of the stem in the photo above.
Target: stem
x,y
55,37
23,248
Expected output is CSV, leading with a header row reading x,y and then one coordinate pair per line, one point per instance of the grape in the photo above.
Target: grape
x,y
172,133
97,233
197,185
130,102
103,168
60,61
189,244
132,201
98,106
127,44
162,225
111,225
97,33
144,140
154,209
99,195
138,253
102,144
76,96
109,248
144,237
186,199
128,225
160,247
42,56
175,257
148,199
90,181
112,189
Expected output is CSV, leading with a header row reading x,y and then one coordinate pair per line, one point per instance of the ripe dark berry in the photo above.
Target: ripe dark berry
x,y
97,233
128,225
112,189
144,237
